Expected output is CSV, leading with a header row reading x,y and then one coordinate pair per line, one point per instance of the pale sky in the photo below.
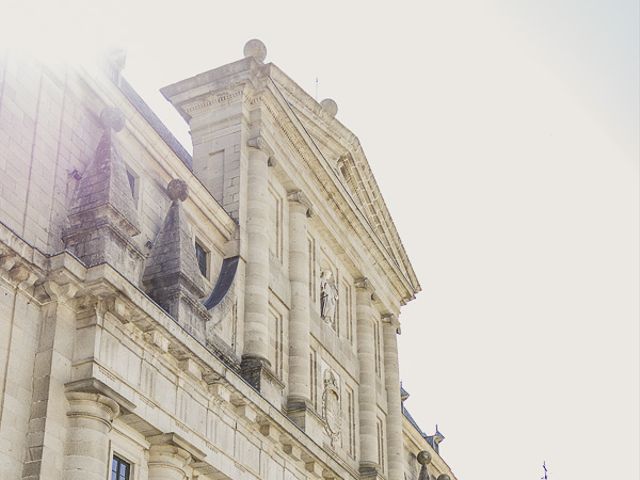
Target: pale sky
x,y
504,138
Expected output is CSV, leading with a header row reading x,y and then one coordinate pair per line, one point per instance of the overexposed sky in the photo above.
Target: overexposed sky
x,y
504,137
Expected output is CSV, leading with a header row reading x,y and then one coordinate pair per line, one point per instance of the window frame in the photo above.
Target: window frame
x,y
135,188
197,243
119,460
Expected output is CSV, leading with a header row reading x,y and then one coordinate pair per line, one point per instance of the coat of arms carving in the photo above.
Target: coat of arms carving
x,y
331,410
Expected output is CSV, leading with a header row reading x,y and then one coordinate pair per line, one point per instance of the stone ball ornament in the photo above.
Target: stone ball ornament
x,y
112,118
330,106
256,49
444,476
177,190
424,458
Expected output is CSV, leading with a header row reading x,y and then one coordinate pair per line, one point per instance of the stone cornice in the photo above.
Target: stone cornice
x,y
156,326
218,86
44,278
324,124
222,80
335,191
412,436
101,292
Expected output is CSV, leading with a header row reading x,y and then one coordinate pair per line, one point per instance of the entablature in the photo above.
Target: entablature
x,y
259,87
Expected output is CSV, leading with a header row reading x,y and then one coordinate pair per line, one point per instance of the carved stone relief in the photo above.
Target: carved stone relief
x,y
331,410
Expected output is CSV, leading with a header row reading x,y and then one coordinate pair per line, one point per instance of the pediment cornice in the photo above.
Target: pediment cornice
x,y
314,136
334,190
336,145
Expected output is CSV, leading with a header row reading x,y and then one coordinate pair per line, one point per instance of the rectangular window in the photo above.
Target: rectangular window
x,y
120,469
134,185
202,255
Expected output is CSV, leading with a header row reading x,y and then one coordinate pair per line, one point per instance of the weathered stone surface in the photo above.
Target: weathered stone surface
x,y
171,274
98,363
103,216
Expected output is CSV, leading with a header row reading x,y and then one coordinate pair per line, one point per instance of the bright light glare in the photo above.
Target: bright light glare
x,y
57,32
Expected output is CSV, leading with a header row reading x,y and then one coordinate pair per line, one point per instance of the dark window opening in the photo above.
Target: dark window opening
x,y
202,255
120,469
132,183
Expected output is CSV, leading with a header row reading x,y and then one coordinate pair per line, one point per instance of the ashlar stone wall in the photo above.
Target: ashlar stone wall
x,y
231,315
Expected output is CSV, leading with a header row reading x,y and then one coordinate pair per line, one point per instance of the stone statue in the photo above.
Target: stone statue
x,y
328,297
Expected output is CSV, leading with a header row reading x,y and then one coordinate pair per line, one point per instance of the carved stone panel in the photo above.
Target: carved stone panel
x,y
331,409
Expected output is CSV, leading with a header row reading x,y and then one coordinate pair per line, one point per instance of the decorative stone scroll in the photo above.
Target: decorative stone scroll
x,y
331,411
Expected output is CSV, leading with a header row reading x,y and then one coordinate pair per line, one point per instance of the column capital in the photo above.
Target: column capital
x,y
297,196
16,270
391,320
171,458
92,405
174,440
365,284
259,143
61,291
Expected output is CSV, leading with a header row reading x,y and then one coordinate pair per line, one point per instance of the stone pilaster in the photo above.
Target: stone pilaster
x,y
171,275
168,462
103,216
86,452
395,462
255,357
299,316
52,370
369,465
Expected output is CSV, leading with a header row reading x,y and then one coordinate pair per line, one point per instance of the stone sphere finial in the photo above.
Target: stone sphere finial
x,y
256,49
444,476
330,106
424,458
177,190
112,117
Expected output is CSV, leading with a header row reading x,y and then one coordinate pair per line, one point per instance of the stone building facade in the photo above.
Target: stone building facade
x,y
230,314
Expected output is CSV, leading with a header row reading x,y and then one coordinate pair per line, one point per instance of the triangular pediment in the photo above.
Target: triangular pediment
x,y
328,151
341,150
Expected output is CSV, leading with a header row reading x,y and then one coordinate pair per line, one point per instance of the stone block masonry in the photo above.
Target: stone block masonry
x,y
109,349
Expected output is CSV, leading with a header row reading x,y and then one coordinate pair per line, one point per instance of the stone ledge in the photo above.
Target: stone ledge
x,y
149,316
